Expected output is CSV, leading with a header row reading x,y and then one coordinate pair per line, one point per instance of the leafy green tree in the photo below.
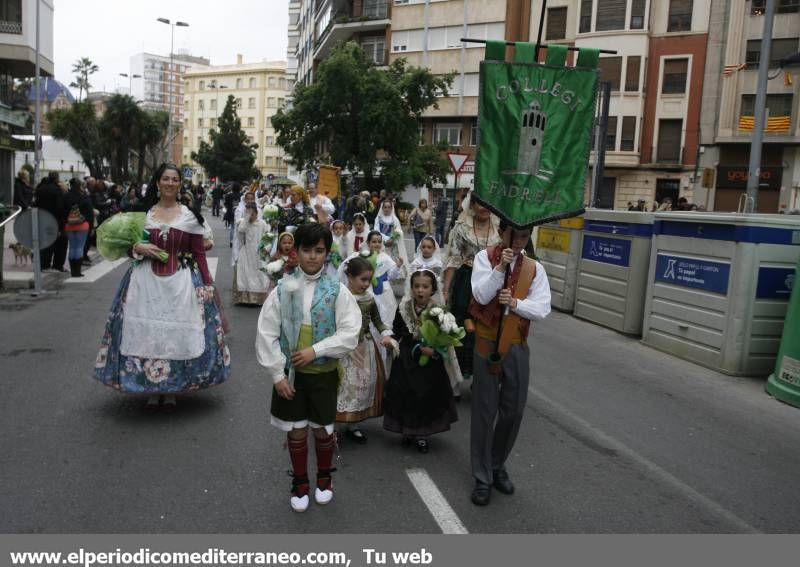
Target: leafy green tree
x,y
82,68
360,118
426,166
80,127
118,127
230,156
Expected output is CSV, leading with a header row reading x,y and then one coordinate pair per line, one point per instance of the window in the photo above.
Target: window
x,y
281,103
421,134
238,103
447,132
637,14
200,105
473,134
586,17
610,70
680,15
375,49
283,84
780,48
632,73
628,139
375,9
251,122
268,161
781,7
611,134
777,105
202,85
213,122
251,102
674,76
400,41
669,141
270,141
213,104
271,102
556,23
11,16
278,161
252,82
610,15
272,82
199,122
199,140
238,83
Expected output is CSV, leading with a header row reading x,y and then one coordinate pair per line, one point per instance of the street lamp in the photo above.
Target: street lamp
x,y
169,99
130,81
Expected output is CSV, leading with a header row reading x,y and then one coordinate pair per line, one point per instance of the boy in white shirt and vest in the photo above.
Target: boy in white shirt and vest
x,y
308,322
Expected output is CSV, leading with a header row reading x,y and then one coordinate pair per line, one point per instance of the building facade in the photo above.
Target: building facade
x,y
728,109
17,62
160,86
259,89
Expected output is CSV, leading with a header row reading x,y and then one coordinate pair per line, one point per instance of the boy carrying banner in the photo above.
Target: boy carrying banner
x,y
502,368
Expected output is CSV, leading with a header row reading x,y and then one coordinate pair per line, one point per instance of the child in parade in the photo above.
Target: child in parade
x,y
283,261
502,370
390,228
308,322
363,373
428,256
339,247
249,282
419,398
358,233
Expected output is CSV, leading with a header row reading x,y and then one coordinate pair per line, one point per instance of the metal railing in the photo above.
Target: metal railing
x,y
10,217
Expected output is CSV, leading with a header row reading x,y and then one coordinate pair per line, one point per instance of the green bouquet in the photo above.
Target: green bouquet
x,y
118,234
439,331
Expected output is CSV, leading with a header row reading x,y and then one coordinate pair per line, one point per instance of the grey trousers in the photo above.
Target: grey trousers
x,y
498,402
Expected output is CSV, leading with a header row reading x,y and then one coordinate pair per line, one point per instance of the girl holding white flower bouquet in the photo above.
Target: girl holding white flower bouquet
x,y
339,247
419,395
249,282
282,262
165,332
363,374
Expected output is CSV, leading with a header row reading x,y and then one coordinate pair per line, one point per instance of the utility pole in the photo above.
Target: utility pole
x,y
754,169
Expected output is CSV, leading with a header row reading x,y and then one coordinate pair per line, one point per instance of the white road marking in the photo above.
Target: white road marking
x,y
652,468
441,511
97,271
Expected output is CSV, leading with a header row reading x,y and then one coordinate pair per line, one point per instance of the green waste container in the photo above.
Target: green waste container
x,y
784,383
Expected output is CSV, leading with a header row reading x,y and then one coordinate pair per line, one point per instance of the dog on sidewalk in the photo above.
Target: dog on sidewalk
x,y
21,254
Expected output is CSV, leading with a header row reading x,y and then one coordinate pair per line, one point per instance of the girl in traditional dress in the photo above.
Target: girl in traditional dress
x,y
249,282
428,256
339,249
389,226
164,334
358,233
248,198
419,399
286,255
476,229
363,374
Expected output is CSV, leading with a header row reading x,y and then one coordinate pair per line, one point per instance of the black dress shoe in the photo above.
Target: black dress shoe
x,y
502,483
481,494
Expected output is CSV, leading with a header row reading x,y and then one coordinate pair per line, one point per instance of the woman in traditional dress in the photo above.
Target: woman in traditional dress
x,y
357,236
249,282
165,334
296,212
428,256
419,398
393,239
238,214
476,229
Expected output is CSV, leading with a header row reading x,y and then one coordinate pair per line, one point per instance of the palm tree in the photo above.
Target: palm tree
x,y
82,68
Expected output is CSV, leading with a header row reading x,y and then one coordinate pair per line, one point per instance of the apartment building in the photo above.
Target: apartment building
x,y
158,82
259,89
427,33
17,61
728,109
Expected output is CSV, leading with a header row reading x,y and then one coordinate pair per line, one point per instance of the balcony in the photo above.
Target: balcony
x,y
668,157
338,20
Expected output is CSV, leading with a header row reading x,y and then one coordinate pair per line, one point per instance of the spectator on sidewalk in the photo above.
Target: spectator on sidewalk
x,y
23,192
50,198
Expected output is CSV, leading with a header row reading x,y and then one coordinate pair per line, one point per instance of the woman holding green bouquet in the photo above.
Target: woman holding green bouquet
x,y
165,334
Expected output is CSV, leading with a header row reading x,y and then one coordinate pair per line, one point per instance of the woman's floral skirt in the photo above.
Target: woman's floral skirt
x,y
146,375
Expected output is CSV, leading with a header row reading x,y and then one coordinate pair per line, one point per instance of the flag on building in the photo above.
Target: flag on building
x,y
729,70
534,132
775,124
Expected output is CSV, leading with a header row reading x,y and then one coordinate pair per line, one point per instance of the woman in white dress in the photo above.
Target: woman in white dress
x,y
249,282
164,334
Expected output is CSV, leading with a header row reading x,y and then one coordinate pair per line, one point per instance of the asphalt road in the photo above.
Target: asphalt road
x,y
617,438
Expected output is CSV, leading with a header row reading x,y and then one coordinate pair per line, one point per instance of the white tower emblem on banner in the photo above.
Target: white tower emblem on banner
x,y
533,123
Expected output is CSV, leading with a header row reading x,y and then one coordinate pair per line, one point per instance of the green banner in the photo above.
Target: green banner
x,y
534,136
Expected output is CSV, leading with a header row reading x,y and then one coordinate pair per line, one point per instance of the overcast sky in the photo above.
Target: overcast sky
x,y
109,31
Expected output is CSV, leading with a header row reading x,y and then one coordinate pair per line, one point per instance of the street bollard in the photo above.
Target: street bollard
x,y
784,382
